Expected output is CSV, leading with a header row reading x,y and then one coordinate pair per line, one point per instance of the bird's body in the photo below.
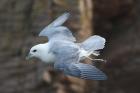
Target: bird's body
x,y
48,56
62,50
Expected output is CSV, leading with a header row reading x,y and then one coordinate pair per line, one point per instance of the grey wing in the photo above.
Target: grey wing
x,y
67,60
60,20
55,30
60,33
84,71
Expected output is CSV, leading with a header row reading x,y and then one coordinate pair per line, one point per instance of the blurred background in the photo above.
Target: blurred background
x,y
116,20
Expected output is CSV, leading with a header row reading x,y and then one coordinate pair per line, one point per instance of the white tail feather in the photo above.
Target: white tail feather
x,y
90,47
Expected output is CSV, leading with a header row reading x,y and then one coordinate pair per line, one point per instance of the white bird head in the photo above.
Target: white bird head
x,y
36,51
41,51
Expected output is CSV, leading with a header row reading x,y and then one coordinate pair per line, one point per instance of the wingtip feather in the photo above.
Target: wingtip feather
x,y
90,72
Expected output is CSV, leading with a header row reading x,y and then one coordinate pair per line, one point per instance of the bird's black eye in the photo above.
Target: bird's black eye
x,y
34,50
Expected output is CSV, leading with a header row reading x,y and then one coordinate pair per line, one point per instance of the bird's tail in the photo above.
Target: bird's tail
x,y
91,45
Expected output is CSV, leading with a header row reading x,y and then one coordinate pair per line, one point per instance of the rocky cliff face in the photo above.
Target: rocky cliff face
x,y
21,21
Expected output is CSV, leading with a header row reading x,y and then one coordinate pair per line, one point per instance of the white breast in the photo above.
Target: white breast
x,y
46,56
50,58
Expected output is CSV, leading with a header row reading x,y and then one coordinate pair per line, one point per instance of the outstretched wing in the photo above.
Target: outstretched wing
x,y
93,43
84,71
60,20
67,60
56,31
